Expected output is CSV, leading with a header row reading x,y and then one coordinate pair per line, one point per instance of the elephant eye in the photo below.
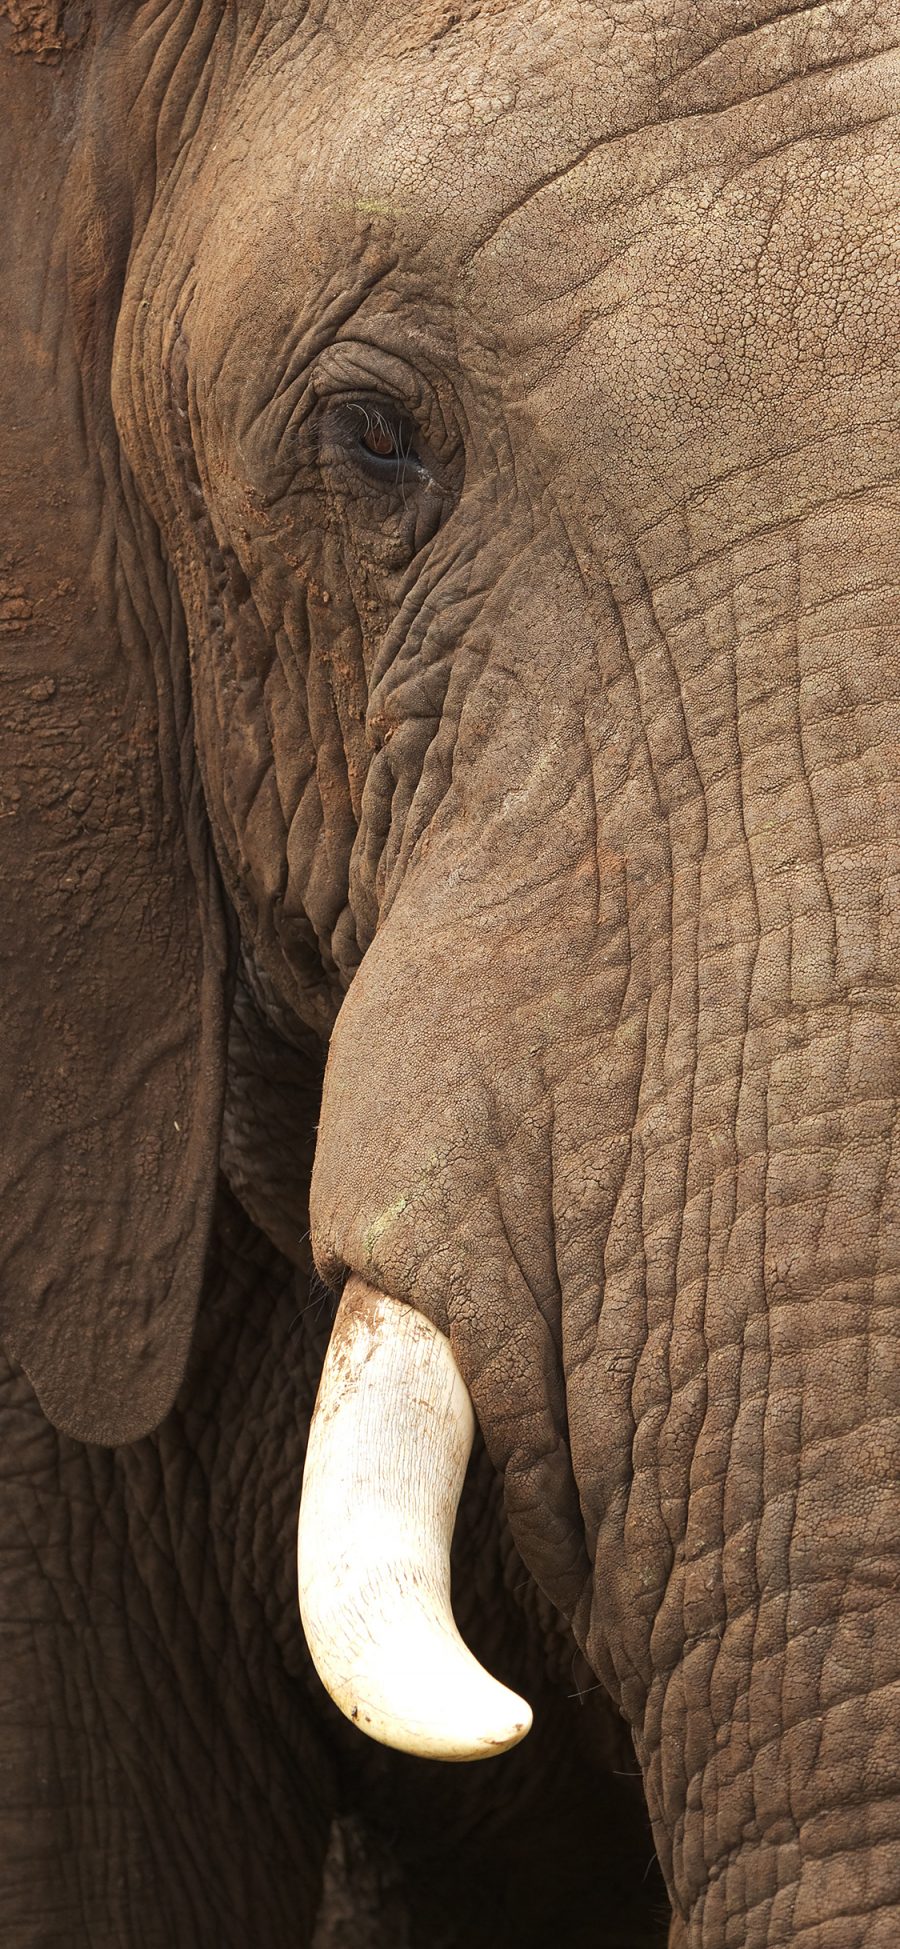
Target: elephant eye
x,y
378,437
385,442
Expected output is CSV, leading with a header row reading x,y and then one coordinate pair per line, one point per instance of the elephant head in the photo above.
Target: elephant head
x,y
494,484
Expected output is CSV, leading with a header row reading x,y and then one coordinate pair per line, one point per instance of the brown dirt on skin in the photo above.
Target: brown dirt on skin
x,y
46,29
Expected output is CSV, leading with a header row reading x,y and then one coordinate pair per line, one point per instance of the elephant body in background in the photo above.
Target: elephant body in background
x,y
451,598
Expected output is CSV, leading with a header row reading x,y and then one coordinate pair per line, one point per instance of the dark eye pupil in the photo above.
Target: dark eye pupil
x,y
378,437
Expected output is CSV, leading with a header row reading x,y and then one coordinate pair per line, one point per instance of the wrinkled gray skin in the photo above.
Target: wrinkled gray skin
x,y
569,736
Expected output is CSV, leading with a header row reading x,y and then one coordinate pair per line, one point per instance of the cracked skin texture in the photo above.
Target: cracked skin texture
x,y
573,754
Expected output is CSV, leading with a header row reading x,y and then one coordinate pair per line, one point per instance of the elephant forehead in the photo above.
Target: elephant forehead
x,y
451,120
672,172
688,310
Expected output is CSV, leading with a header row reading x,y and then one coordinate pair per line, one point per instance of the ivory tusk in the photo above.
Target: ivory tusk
x,y
388,1446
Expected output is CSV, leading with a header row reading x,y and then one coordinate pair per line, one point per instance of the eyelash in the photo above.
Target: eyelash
x,y
377,426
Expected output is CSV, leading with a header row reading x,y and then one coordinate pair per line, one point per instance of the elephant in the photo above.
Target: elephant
x,y
451,755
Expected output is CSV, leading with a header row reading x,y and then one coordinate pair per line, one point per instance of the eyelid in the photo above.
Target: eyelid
x,y
351,367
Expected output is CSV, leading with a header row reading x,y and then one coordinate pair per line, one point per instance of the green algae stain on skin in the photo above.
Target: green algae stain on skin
x,y
398,1208
382,1223
373,206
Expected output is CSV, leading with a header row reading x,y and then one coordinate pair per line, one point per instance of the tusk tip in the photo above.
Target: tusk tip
x,y
438,1737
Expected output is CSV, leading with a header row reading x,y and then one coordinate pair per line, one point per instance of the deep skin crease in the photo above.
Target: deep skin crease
x,y
569,745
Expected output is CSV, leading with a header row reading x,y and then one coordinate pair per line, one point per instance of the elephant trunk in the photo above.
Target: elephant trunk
x,y
390,1439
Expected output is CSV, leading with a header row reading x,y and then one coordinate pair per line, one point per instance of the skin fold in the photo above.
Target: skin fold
x,y
453,493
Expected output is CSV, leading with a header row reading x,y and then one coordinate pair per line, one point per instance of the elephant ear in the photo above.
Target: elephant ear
x,y
113,941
